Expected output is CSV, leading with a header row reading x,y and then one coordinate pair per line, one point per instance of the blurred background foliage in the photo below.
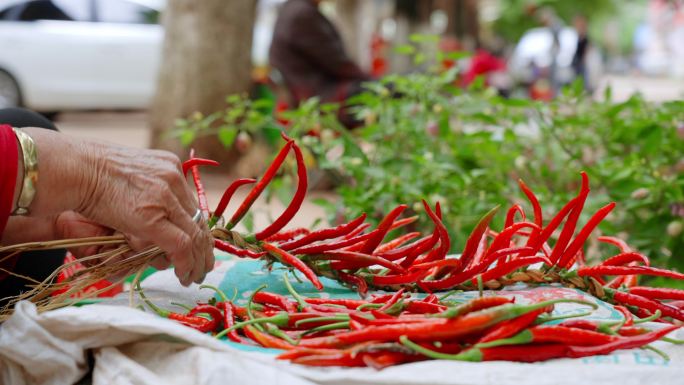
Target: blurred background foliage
x,y
423,137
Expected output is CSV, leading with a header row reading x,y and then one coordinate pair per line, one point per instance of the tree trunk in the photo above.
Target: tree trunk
x,y
206,56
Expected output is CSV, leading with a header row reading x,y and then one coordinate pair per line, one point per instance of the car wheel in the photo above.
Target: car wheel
x,y
10,95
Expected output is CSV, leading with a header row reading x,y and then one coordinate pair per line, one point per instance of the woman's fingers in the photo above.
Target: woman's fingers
x,y
202,249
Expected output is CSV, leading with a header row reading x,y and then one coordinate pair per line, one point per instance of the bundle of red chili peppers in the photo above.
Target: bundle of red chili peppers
x,y
523,251
397,328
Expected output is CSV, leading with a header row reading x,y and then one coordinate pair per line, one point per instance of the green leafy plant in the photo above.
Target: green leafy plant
x,y
424,137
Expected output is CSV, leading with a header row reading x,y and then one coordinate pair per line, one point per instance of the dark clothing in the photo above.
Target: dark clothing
x,y
35,264
580,54
579,59
309,54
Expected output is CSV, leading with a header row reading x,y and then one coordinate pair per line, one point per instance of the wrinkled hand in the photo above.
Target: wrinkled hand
x,y
140,193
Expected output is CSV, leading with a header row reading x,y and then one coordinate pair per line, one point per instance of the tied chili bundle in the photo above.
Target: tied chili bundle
x,y
362,257
396,328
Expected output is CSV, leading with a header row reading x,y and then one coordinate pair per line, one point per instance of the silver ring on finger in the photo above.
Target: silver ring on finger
x,y
197,217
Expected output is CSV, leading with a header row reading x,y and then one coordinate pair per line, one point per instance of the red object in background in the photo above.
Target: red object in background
x,y
99,285
481,64
378,53
280,107
446,45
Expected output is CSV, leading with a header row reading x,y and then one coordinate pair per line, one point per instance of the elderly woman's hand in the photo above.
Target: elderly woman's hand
x,y
141,193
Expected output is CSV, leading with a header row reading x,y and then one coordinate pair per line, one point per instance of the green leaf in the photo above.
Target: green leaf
x,y
186,137
405,49
227,136
423,38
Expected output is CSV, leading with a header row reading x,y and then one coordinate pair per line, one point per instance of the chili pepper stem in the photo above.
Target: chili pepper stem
x,y
276,319
218,291
657,351
542,320
161,312
332,326
469,355
652,317
341,317
288,285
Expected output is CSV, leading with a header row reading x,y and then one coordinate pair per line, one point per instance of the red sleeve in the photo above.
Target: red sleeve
x,y
8,176
8,172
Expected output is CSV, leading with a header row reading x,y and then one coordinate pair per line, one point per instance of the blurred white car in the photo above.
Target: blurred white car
x,y
79,54
532,56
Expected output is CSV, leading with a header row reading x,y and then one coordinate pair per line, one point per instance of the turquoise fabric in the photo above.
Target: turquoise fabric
x,y
247,275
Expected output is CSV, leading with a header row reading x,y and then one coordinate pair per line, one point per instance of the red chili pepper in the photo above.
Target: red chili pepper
x,y
621,343
297,199
629,320
539,242
580,324
625,270
553,334
657,293
511,327
503,240
266,340
226,197
630,281
287,235
449,262
569,228
323,234
229,320
384,227
491,258
510,215
348,303
393,244
198,323
436,329
625,258
339,359
645,303
289,259
213,311
619,243
476,304
403,222
275,299
296,352
229,248
388,280
522,353
395,298
199,187
505,268
360,283
631,331
431,298
474,238
319,248
194,162
424,307
444,241
480,251
582,236
616,282
261,185
353,260
384,359
534,201
413,250
357,231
